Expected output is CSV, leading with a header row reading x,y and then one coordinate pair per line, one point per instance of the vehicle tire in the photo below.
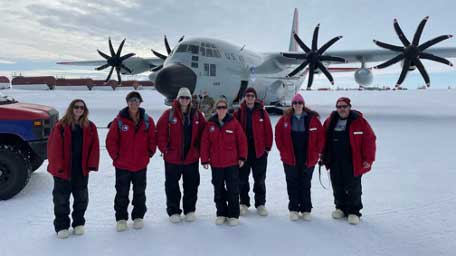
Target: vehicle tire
x,y
15,171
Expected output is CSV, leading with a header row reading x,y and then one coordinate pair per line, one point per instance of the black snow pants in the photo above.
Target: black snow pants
x,y
258,167
299,180
76,186
191,180
123,180
346,187
226,191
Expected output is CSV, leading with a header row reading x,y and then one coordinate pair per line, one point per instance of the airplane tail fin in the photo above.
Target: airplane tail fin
x,y
294,29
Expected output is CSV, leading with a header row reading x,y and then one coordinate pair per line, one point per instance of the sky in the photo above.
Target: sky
x,y
37,33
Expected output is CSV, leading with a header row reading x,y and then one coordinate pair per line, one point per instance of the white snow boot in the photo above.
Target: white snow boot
x,y
353,219
138,223
233,221
337,214
262,211
190,217
220,220
243,209
121,225
294,216
175,218
306,216
79,230
64,233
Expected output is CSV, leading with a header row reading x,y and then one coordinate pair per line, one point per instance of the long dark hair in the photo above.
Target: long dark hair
x,y
290,111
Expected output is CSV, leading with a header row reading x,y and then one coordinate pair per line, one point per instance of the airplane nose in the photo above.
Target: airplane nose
x,y
173,77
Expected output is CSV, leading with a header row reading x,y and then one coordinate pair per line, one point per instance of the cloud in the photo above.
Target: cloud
x,y
60,30
6,62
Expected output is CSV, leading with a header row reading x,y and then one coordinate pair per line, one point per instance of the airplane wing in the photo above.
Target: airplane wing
x,y
136,64
358,56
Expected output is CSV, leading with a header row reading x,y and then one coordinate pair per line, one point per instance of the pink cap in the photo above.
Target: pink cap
x,y
298,98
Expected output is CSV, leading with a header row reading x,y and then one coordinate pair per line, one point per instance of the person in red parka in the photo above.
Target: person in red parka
x,y
179,131
299,137
255,121
224,147
73,151
348,153
131,143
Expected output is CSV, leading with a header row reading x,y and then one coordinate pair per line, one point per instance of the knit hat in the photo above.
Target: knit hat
x,y
298,98
221,99
133,94
184,92
344,99
250,90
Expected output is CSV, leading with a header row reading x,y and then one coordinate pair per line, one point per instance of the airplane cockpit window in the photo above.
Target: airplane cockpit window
x,y
182,48
194,49
209,50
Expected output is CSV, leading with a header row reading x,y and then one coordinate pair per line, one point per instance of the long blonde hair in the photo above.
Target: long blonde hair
x,y
68,118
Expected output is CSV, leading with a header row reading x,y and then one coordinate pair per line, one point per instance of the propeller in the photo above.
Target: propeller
x,y
313,57
115,61
162,56
412,52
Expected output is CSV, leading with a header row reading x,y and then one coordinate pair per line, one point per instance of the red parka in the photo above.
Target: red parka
x,y
315,142
170,135
223,146
261,126
130,146
362,142
59,150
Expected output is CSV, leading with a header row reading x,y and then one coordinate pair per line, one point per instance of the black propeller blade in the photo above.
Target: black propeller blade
x,y
162,56
115,61
313,57
412,52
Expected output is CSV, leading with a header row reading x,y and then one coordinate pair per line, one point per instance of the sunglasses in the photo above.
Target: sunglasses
x,y
134,100
297,103
184,98
78,107
221,107
250,95
341,106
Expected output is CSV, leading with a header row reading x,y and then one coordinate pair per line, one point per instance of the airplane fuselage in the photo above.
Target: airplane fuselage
x,y
220,69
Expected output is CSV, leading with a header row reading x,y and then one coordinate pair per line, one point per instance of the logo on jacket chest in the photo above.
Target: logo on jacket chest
x,y
124,128
285,125
212,129
174,121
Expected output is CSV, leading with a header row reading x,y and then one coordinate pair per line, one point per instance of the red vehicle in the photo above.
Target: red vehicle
x,y
24,132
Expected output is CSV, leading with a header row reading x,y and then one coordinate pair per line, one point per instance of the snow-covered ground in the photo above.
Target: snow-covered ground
x,y
409,197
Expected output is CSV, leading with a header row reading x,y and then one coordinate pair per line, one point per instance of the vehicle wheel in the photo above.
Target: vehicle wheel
x,y
14,172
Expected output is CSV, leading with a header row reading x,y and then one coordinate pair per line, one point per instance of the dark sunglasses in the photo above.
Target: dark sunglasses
x,y
250,95
221,107
341,106
78,107
135,100
297,103
184,97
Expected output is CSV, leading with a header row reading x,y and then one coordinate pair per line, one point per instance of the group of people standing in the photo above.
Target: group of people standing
x,y
233,145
